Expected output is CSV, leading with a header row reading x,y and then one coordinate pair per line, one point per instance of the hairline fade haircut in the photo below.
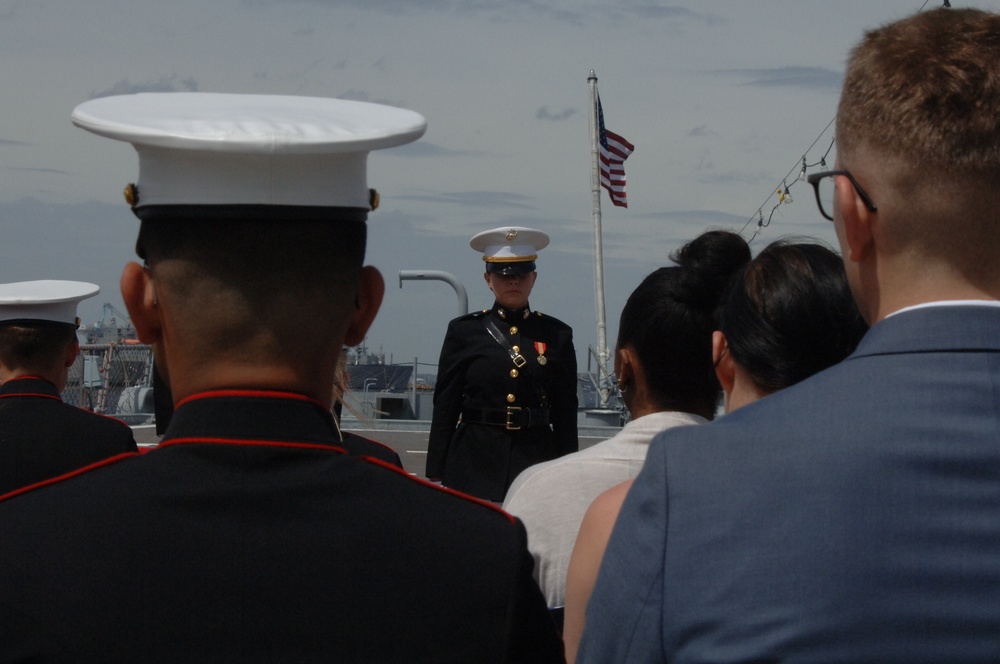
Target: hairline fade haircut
x,y
34,347
255,287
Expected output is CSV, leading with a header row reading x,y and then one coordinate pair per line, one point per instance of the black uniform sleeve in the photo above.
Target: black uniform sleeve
x,y
531,633
127,438
564,404
447,400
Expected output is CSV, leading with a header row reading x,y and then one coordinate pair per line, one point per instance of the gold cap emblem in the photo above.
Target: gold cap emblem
x,y
131,194
511,234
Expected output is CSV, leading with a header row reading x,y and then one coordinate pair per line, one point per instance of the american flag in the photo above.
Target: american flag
x,y
614,151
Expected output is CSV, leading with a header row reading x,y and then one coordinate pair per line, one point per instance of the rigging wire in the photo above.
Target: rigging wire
x,y
783,191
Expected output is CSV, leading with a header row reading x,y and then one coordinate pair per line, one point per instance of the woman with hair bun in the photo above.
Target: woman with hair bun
x,y
788,315
663,361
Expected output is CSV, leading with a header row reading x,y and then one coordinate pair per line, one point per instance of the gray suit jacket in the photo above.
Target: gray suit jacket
x,y
852,518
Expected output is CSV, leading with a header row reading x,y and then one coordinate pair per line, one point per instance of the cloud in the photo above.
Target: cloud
x,y
164,84
733,178
41,170
361,95
12,143
423,149
544,114
405,7
816,78
657,12
700,131
484,199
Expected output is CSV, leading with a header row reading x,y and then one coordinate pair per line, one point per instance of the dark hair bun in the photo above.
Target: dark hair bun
x,y
708,264
669,318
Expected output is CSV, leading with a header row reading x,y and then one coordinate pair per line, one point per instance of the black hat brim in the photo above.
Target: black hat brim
x,y
511,269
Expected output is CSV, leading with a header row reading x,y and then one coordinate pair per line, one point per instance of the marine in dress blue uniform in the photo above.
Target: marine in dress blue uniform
x,y
505,396
40,435
250,534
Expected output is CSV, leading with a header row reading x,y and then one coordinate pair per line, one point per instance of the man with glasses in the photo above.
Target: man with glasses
x,y
856,516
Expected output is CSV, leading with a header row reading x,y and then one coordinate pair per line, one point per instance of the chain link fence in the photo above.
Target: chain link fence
x,y
113,379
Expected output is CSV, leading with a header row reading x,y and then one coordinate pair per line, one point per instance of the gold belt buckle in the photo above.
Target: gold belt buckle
x,y
510,425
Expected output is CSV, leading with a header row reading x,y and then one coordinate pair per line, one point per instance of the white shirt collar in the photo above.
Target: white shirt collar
x,y
949,303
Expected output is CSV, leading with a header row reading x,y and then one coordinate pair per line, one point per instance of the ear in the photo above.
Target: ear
x,y
624,368
72,351
371,289
857,219
139,295
486,276
725,369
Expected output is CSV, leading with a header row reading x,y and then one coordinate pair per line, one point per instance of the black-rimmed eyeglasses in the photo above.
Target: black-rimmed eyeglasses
x,y
823,186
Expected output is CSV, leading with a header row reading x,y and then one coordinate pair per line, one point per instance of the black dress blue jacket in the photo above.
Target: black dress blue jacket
x,y
42,437
249,535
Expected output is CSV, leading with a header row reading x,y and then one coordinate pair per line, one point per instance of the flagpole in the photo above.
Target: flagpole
x,y
595,192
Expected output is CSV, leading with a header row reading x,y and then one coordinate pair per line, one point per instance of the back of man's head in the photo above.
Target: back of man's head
x,y
37,349
254,290
921,107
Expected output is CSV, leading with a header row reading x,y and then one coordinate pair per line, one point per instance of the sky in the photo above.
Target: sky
x,y
722,98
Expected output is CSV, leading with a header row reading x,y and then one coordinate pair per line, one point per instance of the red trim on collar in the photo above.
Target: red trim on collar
x,y
61,478
270,394
195,440
29,394
437,487
26,377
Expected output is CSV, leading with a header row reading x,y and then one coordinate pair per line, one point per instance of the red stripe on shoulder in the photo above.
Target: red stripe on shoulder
x,y
61,478
438,487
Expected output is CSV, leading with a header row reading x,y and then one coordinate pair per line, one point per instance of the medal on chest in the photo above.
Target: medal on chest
x,y
540,347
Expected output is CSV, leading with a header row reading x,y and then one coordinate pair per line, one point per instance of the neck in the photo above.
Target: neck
x,y
56,378
743,392
926,281
315,381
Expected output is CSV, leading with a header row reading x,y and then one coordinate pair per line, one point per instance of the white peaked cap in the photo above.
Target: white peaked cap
x,y
232,149
509,243
49,301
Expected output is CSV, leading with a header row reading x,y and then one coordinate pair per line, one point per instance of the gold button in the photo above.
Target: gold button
x,y
513,373
511,398
513,329
517,349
